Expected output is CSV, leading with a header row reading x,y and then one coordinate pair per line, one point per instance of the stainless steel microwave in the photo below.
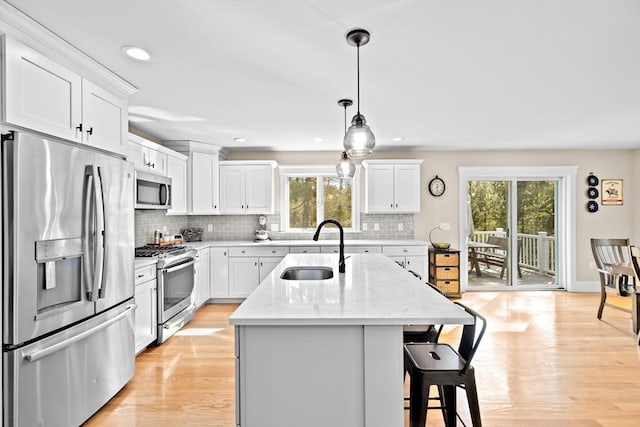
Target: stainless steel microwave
x,y
152,191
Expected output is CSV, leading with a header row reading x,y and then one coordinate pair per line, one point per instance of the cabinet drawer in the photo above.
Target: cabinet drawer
x,y
351,250
144,274
449,287
447,273
304,249
446,259
253,251
404,250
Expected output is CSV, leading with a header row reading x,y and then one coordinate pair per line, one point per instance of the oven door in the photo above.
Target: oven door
x,y
175,287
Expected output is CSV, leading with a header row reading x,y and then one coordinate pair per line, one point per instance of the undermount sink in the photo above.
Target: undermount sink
x,y
307,273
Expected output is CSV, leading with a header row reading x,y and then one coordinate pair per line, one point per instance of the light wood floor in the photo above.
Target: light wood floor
x,y
545,361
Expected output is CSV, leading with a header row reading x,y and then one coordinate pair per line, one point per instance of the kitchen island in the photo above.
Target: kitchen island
x,y
329,352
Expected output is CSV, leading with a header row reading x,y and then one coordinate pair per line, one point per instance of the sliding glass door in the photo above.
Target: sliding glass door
x,y
512,232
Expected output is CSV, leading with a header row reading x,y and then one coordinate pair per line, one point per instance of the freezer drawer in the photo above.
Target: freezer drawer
x,y
65,378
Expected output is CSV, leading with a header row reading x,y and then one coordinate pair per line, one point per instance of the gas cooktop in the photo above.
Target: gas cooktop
x,y
160,251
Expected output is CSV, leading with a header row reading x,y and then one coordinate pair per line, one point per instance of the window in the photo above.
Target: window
x,y
312,194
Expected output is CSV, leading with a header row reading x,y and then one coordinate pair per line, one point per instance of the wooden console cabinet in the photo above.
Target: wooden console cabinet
x,y
444,270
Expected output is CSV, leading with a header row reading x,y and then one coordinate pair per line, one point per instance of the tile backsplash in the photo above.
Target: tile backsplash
x,y
241,227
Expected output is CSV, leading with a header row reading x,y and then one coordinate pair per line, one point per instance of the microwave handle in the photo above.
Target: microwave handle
x,y
164,189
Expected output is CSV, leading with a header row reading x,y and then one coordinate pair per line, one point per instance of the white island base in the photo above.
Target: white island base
x,y
328,353
319,376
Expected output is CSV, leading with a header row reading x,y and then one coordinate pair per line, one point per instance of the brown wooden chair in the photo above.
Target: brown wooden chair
x,y
615,268
635,307
499,256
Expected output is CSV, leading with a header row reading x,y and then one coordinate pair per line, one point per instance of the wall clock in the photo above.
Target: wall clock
x,y
436,186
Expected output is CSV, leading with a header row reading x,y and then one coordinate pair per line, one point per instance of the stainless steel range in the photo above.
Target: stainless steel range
x,y
175,286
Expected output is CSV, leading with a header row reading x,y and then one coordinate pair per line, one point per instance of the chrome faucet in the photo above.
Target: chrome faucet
x,y
337,224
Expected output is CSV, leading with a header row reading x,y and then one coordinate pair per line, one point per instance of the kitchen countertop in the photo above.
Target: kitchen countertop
x,y
309,242
373,291
144,261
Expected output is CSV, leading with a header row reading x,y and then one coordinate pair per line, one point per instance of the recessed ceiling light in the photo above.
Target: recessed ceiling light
x,y
240,139
137,53
318,139
397,139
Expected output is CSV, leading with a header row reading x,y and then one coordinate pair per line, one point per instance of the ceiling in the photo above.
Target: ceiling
x,y
443,75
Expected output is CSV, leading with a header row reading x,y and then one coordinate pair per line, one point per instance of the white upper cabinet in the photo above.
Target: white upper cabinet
x,y
202,176
177,171
45,96
104,119
147,156
246,187
392,186
41,94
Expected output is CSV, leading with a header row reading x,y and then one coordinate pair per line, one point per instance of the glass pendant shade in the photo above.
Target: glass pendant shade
x,y
345,167
359,141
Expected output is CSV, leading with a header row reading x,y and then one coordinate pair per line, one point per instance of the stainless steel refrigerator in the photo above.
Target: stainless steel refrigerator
x,y
68,279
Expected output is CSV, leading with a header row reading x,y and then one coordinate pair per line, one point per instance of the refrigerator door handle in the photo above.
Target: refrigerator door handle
x,y
98,289
87,233
94,260
39,354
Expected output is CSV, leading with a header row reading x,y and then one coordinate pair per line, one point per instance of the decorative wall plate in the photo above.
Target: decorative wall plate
x,y
592,206
593,193
592,180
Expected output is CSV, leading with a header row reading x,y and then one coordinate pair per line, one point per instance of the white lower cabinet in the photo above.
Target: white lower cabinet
x,y
201,279
412,258
248,266
146,307
219,272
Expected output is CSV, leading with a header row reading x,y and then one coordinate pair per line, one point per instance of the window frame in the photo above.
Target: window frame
x,y
319,172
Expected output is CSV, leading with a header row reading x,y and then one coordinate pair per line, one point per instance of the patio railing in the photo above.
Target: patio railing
x,y
538,251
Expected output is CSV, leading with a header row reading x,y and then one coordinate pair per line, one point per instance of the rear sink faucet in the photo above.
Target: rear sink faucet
x,y
337,224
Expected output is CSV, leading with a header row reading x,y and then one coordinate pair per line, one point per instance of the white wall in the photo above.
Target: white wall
x,y
609,221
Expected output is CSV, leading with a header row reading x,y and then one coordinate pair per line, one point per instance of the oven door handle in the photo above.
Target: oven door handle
x,y
178,267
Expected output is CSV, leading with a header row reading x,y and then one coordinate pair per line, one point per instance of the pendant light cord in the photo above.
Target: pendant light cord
x,y
358,67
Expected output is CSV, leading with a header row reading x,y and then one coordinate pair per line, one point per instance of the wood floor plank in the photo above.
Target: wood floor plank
x,y
545,361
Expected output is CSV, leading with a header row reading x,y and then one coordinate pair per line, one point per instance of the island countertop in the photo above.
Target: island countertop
x,y
373,291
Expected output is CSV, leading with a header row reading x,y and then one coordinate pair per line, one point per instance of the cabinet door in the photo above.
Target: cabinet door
x,y
232,194
157,162
267,264
146,318
138,154
204,183
177,171
258,189
41,94
243,276
104,119
417,264
379,189
407,188
219,273
201,293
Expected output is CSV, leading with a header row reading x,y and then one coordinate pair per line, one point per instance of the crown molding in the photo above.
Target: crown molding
x,y
17,24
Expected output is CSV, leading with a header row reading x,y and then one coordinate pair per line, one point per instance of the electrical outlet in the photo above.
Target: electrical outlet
x,y
445,226
364,226
400,226
376,226
274,227
209,227
164,230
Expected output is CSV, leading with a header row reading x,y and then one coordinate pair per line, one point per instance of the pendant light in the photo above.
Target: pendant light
x,y
345,167
359,141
